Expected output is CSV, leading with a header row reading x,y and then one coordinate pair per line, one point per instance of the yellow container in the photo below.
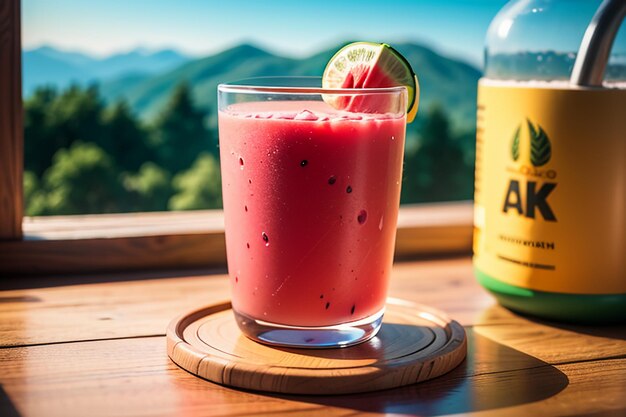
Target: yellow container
x,y
550,192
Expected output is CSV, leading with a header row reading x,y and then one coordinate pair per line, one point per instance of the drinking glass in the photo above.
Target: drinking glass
x,y
311,187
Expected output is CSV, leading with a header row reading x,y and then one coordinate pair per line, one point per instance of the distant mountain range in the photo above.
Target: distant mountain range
x,y
146,80
50,66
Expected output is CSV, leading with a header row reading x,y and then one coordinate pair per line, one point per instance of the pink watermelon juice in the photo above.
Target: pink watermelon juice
x,y
311,200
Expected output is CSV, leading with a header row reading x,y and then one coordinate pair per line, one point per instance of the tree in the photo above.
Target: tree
x,y
180,134
109,172
83,179
38,148
77,114
124,138
34,196
151,187
199,187
438,169
55,121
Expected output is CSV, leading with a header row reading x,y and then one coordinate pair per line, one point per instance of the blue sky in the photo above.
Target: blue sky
x,y
295,27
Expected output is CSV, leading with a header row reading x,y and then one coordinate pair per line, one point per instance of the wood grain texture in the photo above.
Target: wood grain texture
x,y
437,228
100,350
146,306
101,226
11,131
416,343
36,257
134,377
100,311
136,308
132,241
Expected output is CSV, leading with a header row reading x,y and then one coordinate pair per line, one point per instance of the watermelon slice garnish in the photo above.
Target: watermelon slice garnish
x,y
369,65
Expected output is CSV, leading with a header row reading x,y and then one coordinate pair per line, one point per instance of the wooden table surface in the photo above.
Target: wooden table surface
x,y
98,349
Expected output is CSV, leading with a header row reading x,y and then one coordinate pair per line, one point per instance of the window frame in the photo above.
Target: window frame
x,y
172,240
11,125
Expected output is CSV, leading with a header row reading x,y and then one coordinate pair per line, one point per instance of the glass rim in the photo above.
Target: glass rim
x,y
253,85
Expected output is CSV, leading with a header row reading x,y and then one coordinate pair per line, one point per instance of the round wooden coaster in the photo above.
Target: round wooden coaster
x,y
414,344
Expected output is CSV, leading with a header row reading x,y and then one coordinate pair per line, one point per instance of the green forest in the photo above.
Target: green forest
x,y
82,156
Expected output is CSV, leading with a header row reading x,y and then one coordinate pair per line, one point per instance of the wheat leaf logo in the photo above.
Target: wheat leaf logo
x,y
540,147
515,144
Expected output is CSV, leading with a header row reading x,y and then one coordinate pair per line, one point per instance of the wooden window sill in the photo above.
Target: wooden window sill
x,y
112,242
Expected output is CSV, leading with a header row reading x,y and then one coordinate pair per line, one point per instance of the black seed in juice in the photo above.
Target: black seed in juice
x,y
248,245
332,180
265,238
249,181
362,217
349,189
241,161
322,296
304,163
352,310
245,207
327,305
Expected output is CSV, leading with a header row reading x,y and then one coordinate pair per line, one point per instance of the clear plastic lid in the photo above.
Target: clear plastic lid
x,y
539,40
